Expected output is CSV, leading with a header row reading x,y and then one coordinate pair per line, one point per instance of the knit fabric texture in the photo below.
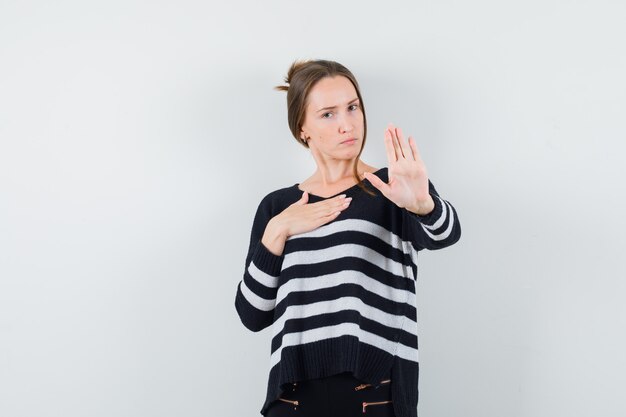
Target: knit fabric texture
x,y
342,297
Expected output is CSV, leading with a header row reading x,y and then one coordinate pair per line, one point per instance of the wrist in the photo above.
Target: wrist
x,y
274,238
423,208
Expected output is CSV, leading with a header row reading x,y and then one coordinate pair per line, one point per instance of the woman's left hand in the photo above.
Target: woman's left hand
x,y
408,179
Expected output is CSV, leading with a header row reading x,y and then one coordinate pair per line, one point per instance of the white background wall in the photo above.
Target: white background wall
x,y
137,139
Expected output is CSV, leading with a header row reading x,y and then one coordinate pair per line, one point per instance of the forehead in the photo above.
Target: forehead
x,y
331,91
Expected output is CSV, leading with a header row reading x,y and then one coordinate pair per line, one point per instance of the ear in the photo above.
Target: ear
x,y
303,137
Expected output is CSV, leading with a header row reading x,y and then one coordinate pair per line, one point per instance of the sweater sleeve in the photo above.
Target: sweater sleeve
x,y
255,298
436,230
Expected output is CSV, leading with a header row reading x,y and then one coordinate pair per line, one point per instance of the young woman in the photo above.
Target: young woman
x,y
332,263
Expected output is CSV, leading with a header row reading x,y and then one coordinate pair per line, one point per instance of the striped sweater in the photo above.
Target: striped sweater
x,y
342,297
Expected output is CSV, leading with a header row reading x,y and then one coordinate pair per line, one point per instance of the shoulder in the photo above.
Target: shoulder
x,y
277,200
382,173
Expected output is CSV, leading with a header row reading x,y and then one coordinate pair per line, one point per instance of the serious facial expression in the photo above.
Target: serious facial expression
x,y
333,120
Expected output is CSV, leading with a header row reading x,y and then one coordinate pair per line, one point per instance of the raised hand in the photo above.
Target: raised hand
x,y
408,179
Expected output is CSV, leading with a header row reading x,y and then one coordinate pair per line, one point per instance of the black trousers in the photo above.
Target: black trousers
x,y
340,395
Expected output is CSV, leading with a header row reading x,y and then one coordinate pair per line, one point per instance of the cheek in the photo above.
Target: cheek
x,y
326,133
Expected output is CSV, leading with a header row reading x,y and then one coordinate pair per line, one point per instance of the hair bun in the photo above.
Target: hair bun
x,y
293,69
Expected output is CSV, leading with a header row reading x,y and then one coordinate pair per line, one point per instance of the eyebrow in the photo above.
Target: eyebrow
x,y
334,107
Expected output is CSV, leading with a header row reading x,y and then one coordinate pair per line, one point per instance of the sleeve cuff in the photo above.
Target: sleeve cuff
x,y
266,261
434,215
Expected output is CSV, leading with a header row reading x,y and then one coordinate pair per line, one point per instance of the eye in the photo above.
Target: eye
x,y
356,106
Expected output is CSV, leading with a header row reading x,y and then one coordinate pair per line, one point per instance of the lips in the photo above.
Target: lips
x,y
348,140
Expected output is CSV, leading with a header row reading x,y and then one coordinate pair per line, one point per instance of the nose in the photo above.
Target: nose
x,y
345,125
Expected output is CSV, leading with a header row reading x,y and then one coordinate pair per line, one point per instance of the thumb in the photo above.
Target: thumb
x,y
304,199
377,182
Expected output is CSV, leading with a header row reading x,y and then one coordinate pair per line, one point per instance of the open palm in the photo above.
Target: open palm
x,y
408,179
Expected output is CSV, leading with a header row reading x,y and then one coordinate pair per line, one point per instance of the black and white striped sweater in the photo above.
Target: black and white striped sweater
x,y
342,297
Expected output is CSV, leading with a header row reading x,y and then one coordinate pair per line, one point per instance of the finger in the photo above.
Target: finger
x,y
335,203
416,153
303,199
396,144
328,217
391,152
342,203
397,151
377,182
337,206
403,145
